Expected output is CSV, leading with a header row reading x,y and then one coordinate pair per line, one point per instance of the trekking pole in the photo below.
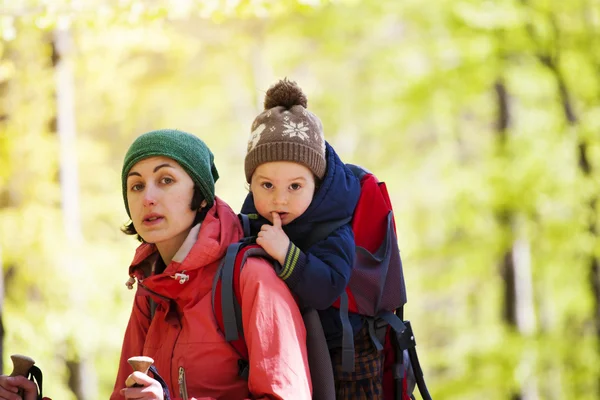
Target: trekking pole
x,y
138,363
144,365
21,366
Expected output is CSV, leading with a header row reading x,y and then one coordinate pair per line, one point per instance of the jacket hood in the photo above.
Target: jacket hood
x,y
198,256
335,199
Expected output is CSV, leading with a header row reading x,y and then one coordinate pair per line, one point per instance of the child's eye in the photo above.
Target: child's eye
x,y
267,185
295,186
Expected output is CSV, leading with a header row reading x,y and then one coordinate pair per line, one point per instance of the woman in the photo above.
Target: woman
x,y
168,181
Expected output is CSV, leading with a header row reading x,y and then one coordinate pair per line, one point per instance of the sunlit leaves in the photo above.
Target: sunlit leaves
x,y
406,89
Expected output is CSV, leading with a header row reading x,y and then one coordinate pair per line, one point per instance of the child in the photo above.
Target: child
x,y
168,179
297,182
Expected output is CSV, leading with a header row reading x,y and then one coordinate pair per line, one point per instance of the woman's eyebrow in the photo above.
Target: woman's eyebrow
x,y
132,173
161,166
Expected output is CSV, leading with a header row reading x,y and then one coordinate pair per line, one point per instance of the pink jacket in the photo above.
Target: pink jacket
x,y
183,336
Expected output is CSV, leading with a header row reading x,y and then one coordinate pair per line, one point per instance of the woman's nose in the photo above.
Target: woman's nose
x,y
149,197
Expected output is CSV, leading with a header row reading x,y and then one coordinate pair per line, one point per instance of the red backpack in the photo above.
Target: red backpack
x,y
376,290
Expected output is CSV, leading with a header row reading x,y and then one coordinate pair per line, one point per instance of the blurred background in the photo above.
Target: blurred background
x,y
483,118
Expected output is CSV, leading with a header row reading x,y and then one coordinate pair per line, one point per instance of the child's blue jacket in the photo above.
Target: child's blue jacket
x,y
322,271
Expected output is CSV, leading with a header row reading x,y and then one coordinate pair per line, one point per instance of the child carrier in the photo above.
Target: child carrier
x,y
376,291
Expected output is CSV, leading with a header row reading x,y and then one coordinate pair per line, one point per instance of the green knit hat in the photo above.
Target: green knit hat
x,y
188,150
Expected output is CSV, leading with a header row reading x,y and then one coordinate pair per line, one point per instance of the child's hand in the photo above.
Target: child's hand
x,y
273,239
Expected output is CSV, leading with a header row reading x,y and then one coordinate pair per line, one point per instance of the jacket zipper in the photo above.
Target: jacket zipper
x,y
153,292
182,386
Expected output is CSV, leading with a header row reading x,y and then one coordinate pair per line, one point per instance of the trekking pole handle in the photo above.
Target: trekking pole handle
x,y
21,366
138,363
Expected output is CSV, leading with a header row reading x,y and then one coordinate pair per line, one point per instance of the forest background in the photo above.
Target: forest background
x,y
483,117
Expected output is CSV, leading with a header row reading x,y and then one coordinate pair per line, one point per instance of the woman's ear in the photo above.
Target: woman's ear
x,y
203,204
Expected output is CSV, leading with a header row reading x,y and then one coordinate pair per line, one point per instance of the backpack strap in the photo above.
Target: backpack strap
x,y
229,313
347,336
226,298
228,280
375,333
319,360
35,375
321,230
245,220
166,393
358,171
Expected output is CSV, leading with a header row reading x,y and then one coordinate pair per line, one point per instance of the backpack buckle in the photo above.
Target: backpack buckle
x,y
406,339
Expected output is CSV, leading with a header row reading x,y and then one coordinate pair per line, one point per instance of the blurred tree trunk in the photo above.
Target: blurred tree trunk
x,y
81,381
1,313
585,167
516,263
247,99
4,200
549,56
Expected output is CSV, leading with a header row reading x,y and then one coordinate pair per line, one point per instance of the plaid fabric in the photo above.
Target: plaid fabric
x,y
365,383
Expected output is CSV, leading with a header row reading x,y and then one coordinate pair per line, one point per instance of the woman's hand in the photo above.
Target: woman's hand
x,y
10,385
150,388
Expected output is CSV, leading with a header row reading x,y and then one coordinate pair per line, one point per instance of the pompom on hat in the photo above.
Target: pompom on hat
x,y
188,150
286,131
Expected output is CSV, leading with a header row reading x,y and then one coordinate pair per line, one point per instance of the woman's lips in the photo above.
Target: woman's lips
x,y
152,220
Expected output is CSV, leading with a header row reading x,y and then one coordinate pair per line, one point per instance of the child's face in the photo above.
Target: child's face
x,y
284,187
159,194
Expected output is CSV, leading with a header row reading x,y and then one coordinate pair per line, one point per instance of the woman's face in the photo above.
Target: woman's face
x,y
159,195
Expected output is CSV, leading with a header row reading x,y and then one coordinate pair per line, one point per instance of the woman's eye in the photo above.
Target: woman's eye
x,y
295,186
137,187
167,180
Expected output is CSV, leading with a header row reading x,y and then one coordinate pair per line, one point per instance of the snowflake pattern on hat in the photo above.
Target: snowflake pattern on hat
x,y
296,130
255,136
317,133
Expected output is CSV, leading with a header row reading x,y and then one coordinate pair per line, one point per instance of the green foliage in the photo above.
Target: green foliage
x,y
408,90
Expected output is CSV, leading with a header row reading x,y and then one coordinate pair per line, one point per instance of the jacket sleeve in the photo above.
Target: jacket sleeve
x,y
133,343
275,335
319,276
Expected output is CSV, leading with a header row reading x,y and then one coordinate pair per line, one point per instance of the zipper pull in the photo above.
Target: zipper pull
x,y
182,386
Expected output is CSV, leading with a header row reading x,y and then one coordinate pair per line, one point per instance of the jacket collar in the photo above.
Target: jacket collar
x,y
205,243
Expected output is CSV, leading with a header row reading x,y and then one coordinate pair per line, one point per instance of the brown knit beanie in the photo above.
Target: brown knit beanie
x,y
286,131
